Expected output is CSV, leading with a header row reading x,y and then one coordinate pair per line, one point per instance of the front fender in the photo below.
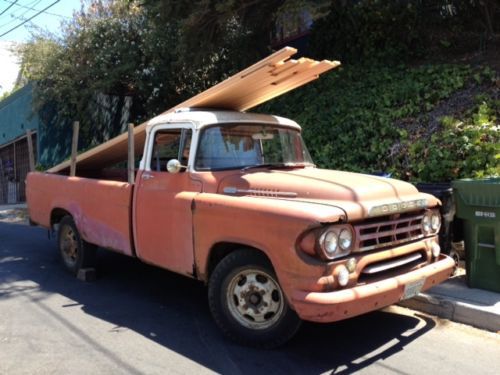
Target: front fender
x,y
271,225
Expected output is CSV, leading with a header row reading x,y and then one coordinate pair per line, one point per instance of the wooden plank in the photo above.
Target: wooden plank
x,y
101,154
238,82
217,95
31,154
74,148
250,99
131,154
209,96
283,66
285,86
281,55
259,99
267,83
262,81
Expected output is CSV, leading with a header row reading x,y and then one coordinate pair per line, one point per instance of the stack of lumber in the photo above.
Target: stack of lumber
x,y
263,81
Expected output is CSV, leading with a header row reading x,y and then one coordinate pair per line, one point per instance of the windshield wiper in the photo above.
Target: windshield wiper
x,y
277,165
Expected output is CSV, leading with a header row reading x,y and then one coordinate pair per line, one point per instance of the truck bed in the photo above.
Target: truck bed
x,y
101,209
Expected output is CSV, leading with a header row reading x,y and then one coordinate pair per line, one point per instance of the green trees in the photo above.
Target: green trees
x,y
108,52
140,57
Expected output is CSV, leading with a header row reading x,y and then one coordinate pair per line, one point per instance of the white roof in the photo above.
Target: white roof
x,y
201,118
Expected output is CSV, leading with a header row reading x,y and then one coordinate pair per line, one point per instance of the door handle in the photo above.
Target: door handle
x,y
147,176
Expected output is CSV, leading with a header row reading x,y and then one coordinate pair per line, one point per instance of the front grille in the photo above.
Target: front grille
x,y
392,267
392,263
389,231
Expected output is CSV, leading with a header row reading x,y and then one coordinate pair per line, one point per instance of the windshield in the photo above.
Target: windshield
x,y
247,145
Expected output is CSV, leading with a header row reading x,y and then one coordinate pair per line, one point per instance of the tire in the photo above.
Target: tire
x,y
247,302
75,252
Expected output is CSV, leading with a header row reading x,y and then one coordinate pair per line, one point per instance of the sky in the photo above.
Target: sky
x,y
12,14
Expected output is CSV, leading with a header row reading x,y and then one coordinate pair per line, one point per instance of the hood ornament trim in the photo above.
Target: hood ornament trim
x,y
397,207
231,190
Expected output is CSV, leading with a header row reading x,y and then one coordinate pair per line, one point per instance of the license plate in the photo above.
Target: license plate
x,y
413,288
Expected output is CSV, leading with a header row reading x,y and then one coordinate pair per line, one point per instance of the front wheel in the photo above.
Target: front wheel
x,y
248,303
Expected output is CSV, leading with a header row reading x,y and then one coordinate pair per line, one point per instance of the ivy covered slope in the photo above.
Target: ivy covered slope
x,y
427,123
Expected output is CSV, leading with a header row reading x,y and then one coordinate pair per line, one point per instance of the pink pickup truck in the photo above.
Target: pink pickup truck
x,y
234,200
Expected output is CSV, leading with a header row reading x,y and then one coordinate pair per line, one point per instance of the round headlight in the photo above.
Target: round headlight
x,y
345,239
330,243
435,222
426,224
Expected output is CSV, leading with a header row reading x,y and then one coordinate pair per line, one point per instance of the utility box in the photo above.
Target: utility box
x,y
478,205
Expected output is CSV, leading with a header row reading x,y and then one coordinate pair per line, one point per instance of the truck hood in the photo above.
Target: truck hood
x,y
358,195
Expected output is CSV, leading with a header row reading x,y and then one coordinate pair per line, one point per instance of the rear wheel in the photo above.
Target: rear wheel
x,y
75,252
248,303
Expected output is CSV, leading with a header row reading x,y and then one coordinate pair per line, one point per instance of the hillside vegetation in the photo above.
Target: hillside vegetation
x,y
432,122
418,94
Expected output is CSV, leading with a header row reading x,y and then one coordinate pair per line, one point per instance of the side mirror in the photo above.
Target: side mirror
x,y
174,166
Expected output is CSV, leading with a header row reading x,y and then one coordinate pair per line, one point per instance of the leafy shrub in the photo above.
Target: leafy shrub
x,y
463,148
358,30
399,30
377,118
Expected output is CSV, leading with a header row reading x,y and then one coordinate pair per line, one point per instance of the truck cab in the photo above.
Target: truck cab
x,y
192,154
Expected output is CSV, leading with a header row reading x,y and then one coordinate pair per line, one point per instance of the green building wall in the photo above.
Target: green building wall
x,y
110,118
16,115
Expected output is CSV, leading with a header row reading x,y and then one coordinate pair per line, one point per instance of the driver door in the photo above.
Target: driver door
x,y
163,216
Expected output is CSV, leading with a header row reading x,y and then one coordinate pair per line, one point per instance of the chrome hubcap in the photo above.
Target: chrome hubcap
x,y
69,245
255,299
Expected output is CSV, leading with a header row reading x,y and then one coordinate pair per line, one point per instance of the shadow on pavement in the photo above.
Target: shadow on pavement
x,y
173,311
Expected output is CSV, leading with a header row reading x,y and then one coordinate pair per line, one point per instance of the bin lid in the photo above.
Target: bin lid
x,y
439,189
479,192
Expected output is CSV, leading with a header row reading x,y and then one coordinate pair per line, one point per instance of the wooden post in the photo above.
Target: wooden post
x,y
131,154
74,148
31,154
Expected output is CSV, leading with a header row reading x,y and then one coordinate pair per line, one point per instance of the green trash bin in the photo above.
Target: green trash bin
x,y
478,205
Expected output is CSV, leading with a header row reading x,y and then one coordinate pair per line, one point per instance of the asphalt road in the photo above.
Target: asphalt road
x,y
136,319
